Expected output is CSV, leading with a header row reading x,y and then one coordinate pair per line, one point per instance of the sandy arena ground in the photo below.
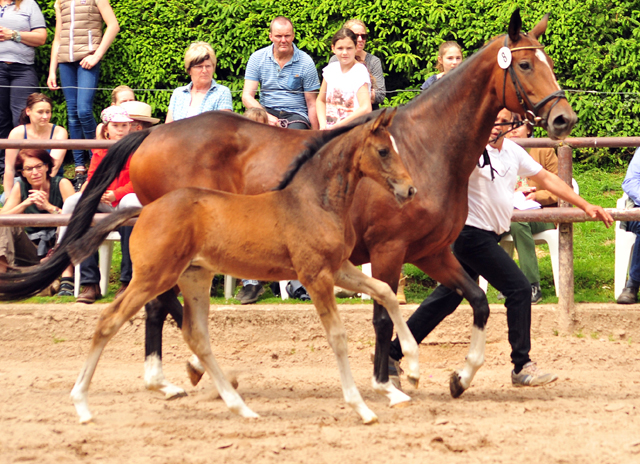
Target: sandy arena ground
x,y
288,375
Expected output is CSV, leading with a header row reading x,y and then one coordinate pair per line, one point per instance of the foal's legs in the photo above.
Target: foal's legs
x,y
111,319
446,269
351,278
157,310
195,283
321,291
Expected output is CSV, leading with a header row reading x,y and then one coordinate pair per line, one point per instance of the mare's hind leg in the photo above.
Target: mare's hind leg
x,y
157,310
111,319
446,269
195,283
351,278
321,292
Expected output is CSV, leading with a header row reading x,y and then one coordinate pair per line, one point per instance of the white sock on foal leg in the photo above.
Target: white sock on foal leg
x,y
474,360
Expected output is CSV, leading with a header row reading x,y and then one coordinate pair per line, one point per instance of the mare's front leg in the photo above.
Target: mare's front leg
x,y
111,319
321,291
195,283
446,269
351,278
157,310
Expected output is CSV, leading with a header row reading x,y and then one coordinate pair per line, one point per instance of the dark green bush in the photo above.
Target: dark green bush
x,y
594,43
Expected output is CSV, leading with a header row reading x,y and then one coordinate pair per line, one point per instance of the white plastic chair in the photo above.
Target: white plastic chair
x,y
105,251
624,247
551,238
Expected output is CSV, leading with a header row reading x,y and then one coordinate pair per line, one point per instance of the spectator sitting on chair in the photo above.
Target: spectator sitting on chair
x,y
288,79
491,190
631,186
36,192
522,232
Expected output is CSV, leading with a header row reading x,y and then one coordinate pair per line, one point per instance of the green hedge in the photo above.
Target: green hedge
x,y
594,44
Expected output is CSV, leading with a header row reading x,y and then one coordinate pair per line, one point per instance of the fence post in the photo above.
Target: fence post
x,y
565,299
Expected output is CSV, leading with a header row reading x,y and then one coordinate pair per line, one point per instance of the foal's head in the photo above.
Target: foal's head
x,y
526,81
378,157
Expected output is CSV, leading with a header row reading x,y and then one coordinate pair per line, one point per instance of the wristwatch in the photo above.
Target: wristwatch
x,y
15,36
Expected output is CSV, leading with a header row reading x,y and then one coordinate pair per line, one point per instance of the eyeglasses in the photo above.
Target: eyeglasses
x,y
203,67
363,36
37,167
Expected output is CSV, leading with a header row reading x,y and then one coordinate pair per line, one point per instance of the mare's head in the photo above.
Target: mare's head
x,y
378,157
526,83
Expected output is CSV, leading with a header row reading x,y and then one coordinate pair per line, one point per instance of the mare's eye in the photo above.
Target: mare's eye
x,y
383,152
525,65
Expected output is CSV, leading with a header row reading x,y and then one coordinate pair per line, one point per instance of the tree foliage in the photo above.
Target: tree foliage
x,y
595,45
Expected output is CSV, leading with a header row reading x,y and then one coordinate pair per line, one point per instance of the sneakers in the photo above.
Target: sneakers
x,y
66,287
536,293
81,178
250,293
629,295
299,293
89,294
531,376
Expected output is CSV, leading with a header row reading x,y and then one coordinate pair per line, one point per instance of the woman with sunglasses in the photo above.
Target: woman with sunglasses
x,y
373,63
38,193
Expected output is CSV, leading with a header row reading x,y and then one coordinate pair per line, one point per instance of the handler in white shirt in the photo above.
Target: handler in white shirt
x,y
477,249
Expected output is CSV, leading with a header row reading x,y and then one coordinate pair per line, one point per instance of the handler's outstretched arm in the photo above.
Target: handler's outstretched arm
x,y
554,184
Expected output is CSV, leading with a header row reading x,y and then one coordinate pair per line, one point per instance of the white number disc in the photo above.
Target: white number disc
x,y
504,57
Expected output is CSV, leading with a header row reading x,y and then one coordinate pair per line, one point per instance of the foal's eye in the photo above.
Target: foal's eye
x,y
383,152
525,65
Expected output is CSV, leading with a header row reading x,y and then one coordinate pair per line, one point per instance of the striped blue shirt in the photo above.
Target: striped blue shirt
x,y
218,97
282,89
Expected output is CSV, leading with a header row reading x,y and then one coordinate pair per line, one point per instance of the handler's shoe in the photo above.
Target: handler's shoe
x,y
531,376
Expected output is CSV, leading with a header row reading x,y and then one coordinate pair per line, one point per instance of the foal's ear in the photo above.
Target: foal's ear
x,y
541,27
515,26
384,119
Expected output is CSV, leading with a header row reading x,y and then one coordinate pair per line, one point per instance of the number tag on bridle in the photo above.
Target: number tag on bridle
x,y
504,57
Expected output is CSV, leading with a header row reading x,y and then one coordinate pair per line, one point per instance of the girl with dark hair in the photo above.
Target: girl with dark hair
x,y
345,93
36,193
35,125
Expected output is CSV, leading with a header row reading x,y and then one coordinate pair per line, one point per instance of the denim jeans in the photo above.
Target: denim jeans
x,y
79,87
479,254
17,82
634,268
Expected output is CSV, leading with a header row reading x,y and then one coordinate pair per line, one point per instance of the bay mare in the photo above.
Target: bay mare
x,y
301,230
440,134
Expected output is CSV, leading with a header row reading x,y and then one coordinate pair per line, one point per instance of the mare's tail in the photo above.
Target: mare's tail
x,y
15,286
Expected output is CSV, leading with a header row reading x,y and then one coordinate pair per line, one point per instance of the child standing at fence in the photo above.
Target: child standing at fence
x,y
345,93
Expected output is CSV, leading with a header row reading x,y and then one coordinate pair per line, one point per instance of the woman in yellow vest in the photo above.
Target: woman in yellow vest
x,y
78,47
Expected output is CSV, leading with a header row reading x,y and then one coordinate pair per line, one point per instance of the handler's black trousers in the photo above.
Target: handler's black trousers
x,y
479,253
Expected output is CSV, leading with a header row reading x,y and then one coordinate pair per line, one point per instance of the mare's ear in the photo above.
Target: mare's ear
x,y
541,27
515,26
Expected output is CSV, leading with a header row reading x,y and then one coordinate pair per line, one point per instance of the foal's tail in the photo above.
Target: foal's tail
x,y
37,278
85,246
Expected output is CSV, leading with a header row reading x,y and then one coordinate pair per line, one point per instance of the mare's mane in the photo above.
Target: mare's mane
x,y
313,146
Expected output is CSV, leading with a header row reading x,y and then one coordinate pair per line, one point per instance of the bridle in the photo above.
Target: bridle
x,y
531,110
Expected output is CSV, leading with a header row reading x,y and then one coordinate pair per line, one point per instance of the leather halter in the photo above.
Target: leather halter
x,y
530,109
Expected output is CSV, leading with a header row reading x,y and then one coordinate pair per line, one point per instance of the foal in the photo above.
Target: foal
x,y
301,230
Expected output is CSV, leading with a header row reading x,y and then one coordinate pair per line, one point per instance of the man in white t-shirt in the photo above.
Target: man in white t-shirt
x,y
477,249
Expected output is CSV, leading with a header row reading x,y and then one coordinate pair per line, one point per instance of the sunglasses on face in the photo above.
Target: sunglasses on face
x,y
363,36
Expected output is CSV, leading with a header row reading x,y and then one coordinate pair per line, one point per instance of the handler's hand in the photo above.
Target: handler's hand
x,y
597,212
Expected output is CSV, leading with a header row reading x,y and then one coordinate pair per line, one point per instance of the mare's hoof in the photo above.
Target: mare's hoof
x,y
414,381
455,386
194,374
